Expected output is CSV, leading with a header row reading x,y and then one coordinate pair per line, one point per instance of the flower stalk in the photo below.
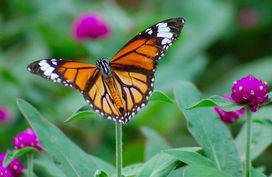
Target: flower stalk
x,y
118,138
30,165
248,144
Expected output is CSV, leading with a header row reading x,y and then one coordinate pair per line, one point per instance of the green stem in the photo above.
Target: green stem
x,y
30,165
118,138
248,143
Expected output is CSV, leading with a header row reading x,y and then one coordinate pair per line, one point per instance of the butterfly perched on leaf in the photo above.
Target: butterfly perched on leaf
x,y
117,89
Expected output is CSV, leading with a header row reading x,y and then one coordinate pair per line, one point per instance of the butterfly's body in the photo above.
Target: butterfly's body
x,y
117,89
107,75
116,95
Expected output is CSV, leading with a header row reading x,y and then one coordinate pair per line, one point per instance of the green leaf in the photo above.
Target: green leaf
x,y
100,173
177,172
80,115
132,170
190,157
17,153
261,133
45,164
67,156
160,96
213,136
155,143
256,173
203,171
158,166
101,164
216,101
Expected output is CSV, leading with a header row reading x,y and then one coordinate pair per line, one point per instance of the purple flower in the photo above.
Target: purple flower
x,y
27,138
249,18
15,167
4,172
229,116
250,91
90,25
4,114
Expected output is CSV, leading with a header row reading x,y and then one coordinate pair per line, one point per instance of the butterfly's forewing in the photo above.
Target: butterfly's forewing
x,y
82,76
135,64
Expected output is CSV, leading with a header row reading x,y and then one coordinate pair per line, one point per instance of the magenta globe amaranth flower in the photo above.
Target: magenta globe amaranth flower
x,y
249,18
4,172
4,115
251,91
229,116
15,167
90,25
27,138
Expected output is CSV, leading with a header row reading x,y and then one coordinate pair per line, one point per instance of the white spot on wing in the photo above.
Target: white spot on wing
x,y
48,71
161,25
165,41
165,35
54,76
44,66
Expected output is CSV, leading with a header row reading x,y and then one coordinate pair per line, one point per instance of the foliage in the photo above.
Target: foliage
x,y
216,48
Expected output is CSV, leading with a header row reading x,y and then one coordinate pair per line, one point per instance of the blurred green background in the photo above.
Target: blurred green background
x,y
222,41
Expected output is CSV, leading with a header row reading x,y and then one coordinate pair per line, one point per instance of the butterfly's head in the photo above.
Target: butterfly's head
x,y
104,67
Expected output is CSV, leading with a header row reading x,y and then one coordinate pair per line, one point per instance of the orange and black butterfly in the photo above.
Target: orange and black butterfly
x,y
117,89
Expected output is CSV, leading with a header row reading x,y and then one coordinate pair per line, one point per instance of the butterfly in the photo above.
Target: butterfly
x,y
117,89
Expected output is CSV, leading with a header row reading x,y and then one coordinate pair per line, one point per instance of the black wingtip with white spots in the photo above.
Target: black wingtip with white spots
x,y
46,68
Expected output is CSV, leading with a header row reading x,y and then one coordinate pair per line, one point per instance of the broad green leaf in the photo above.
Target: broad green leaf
x,y
177,172
45,164
158,166
216,101
101,164
160,96
208,130
190,157
132,170
67,156
17,153
256,173
155,143
24,174
80,115
203,171
261,133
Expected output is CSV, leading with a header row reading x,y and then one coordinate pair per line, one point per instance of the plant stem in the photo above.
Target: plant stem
x,y
248,143
30,165
118,138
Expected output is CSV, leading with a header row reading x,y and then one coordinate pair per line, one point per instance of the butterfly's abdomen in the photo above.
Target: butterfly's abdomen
x,y
115,95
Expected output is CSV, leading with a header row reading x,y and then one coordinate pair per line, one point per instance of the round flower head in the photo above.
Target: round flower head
x,y
4,114
15,167
27,138
249,18
250,91
4,172
90,25
229,116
